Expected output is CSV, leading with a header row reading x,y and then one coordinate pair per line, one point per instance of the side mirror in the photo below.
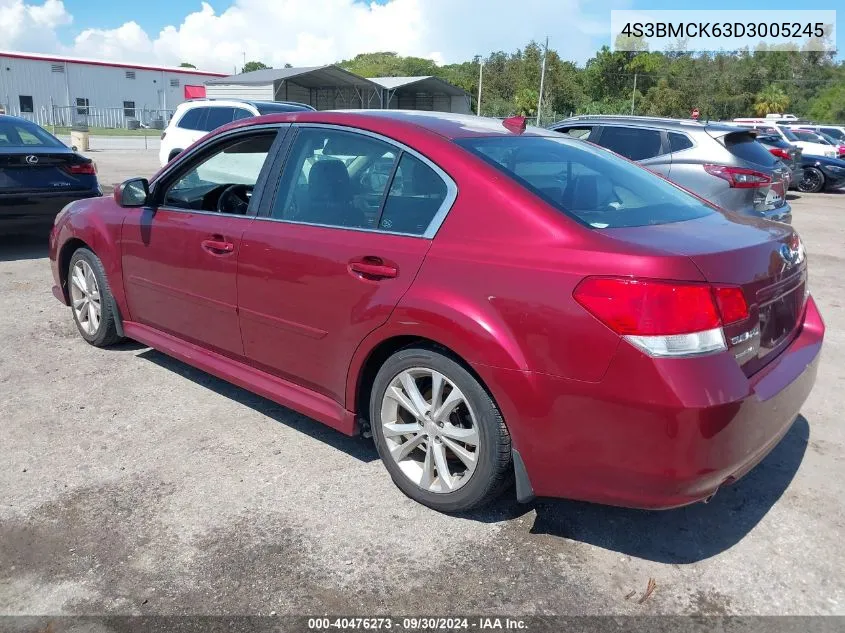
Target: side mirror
x,y
132,193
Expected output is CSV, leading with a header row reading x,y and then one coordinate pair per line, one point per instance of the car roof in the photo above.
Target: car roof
x,y
446,124
225,101
649,121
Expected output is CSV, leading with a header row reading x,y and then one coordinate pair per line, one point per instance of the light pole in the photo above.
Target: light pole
x,y
480,77
542,81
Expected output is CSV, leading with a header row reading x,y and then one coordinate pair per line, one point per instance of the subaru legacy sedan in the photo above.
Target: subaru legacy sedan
x,y
493,303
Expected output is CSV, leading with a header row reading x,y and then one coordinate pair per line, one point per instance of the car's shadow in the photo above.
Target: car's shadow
x,y
32,245
357,447
683,535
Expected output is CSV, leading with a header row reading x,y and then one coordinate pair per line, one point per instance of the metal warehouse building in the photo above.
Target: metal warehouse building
x,y
54,90
322,87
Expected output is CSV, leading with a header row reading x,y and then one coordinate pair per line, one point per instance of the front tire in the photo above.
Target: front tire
x,y
91,301
812,180
438,432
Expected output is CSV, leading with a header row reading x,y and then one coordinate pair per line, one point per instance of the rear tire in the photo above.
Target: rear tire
x,y
438,432
812,180
91,300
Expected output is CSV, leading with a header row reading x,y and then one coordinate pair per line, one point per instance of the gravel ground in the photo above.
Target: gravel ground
x,y
133,483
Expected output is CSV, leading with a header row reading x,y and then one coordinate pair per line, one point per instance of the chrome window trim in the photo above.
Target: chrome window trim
x,y
436,221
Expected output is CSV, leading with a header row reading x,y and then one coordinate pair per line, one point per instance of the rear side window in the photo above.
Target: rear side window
x,y
218,117
679,142
633,143
193,119
745,147
593,186
415,196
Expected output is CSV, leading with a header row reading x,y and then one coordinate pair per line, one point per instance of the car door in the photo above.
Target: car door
x,y
180,253
645,145
327,260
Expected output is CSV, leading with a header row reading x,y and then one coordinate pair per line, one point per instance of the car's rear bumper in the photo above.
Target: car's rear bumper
x,y
35,210
656,433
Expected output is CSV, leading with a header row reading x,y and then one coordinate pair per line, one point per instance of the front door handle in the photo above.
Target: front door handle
x,y
373,268
218,246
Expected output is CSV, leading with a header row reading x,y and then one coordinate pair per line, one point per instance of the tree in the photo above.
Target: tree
x,y
186,65
829,105
251,66
771,100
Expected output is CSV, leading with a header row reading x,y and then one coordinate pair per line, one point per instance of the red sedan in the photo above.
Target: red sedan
x,y
494,303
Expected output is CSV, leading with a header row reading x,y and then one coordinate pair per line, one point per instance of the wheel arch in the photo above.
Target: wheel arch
x,y
66,252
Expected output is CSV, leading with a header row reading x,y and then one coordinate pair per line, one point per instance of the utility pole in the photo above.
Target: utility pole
x,y
542,81
633,94
480,77
244,66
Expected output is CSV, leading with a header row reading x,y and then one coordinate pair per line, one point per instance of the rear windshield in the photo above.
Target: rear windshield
x,y
588,183
16,133
272,108
745,147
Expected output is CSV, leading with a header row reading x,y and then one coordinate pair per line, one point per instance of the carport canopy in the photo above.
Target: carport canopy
x,y
428,85
324,87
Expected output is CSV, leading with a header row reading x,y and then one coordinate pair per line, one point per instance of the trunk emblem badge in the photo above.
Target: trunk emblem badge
x,y
31,160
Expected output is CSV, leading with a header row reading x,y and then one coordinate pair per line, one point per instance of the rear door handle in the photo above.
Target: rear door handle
x,y
218,246
373,268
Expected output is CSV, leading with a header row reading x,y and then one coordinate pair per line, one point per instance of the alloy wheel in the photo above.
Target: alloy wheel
x,y
430,430
85,297
811,181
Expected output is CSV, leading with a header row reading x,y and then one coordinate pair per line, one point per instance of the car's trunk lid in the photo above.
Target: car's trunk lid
x,y
758,256
39,170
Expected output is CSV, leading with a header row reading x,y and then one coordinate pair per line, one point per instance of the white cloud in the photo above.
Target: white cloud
x,y
311,32
31,26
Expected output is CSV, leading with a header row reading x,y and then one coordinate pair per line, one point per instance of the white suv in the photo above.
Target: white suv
x,y
195,118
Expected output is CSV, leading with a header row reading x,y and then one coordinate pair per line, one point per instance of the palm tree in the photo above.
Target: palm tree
x,y
771,100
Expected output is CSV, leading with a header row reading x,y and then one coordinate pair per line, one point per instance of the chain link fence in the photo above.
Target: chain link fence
x,y
94,117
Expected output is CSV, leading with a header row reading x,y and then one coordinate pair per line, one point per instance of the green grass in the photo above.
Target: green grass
x,y
105,131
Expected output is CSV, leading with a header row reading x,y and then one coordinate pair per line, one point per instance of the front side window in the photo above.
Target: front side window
x,y
593,186
222,182
334,178
630,142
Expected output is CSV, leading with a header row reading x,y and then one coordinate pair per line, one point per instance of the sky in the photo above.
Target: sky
x,y
216,34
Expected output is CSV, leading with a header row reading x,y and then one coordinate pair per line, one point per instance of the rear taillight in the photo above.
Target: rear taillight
x,y
780,153
81,169
663,318
739,177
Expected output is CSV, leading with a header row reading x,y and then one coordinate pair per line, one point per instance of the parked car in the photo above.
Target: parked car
x,y
785,152
721,163
813,148
816,137
835,131
195,118
821,174
838,144
38,176
522,306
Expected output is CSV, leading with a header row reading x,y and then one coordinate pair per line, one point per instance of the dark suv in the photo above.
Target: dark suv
x,y
721,163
